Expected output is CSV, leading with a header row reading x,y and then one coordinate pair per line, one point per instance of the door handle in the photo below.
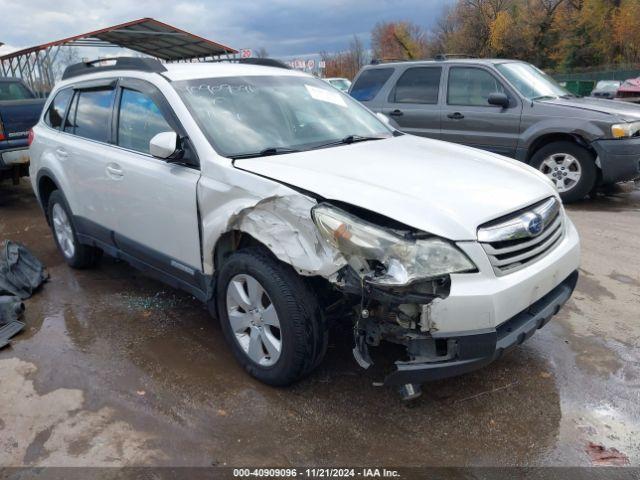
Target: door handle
x,y
62,152
396,113
456,116
114,170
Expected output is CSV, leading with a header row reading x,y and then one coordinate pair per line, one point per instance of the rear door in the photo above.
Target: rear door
x,y
467,117
413,102
154,201
83,151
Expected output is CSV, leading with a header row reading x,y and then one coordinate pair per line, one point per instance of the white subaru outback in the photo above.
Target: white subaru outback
x,y
286,206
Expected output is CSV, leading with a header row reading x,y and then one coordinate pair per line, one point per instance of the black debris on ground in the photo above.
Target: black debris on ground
x,y
21,274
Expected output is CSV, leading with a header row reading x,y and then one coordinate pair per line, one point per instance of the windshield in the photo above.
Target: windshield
x,y
249,114
531,82
14,91
608,84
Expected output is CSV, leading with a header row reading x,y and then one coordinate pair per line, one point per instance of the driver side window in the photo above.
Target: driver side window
x,y
139,120
471,87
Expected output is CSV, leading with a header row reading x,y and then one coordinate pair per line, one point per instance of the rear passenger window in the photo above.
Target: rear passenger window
x,y
93,114
369,83
140,120
418,85
58,108
471,87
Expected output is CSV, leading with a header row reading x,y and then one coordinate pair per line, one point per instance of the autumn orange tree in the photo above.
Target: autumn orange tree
x,y
399,41
558,34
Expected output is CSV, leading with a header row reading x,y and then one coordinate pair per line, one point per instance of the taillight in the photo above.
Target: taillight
x,y
31,137
2,137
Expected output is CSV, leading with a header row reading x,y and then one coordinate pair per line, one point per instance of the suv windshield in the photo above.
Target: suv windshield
x,y
244,116
14,91
531,82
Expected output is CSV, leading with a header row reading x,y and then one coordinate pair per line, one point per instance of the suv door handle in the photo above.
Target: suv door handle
x,y
456,116
396,113
114,171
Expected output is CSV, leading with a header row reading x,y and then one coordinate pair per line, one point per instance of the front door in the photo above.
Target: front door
x,y
413,102
155,201
468,118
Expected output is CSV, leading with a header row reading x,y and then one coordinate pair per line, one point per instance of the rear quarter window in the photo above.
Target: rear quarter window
x,y
58,108
369,83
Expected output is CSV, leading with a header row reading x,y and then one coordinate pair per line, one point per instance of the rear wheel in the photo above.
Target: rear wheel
x,y
75,254
569,166
270,317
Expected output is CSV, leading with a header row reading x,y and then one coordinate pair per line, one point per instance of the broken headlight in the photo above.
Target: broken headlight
x,y
386,256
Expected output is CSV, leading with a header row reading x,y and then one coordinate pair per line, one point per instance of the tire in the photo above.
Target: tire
x,y
75,254
302,331
570,159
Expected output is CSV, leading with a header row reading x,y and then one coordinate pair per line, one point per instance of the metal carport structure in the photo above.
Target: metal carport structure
x,y
146,35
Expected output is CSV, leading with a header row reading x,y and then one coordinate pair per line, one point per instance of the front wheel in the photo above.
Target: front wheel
x,y
270,317
569,166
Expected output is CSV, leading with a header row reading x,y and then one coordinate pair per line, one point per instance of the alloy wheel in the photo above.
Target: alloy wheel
x,y
563,170
254,320
63,230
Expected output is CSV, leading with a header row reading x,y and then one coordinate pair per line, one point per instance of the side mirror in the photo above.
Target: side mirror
x,y
384,118
164,145
499,100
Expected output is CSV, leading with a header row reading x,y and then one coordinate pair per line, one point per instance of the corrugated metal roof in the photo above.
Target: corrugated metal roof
x,y
146,35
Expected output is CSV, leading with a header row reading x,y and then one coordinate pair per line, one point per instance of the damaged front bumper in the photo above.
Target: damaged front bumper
x,y
474,350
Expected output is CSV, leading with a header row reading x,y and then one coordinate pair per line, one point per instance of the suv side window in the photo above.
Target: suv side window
x,y
93,114
58,109
470,86
369,83
418,85
139,120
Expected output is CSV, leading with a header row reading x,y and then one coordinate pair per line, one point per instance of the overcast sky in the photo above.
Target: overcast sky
x,y
284,27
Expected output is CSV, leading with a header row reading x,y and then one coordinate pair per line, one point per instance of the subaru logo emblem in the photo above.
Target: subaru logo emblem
x,y
534,227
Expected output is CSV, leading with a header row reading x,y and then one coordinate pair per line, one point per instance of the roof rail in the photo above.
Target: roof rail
x,y
379,61
141,64
265,62
447,56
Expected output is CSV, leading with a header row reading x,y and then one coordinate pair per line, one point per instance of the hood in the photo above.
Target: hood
x,y
623,111
441,188
630,86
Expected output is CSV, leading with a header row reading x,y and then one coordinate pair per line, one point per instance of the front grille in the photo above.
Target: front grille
x,y
509,244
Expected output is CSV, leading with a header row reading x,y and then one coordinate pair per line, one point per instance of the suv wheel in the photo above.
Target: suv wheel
x,y
270,317
75,254
569,166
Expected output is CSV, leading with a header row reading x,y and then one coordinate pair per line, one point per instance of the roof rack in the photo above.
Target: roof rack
x,y
265,62
120,63
447,56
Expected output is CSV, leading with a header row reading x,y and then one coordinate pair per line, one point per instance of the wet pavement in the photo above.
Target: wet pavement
x,y
117,369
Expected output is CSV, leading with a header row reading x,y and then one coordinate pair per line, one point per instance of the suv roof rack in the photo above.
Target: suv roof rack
x,y
265,62
446,56
119,63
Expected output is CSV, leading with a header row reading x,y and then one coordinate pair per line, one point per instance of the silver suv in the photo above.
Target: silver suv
x,y
511,108
286,206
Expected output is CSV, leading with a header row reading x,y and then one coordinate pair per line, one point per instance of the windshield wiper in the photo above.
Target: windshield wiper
x,y
265,152
349,139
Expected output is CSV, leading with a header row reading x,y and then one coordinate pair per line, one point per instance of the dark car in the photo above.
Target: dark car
x,y
606,89
19,111
511,108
